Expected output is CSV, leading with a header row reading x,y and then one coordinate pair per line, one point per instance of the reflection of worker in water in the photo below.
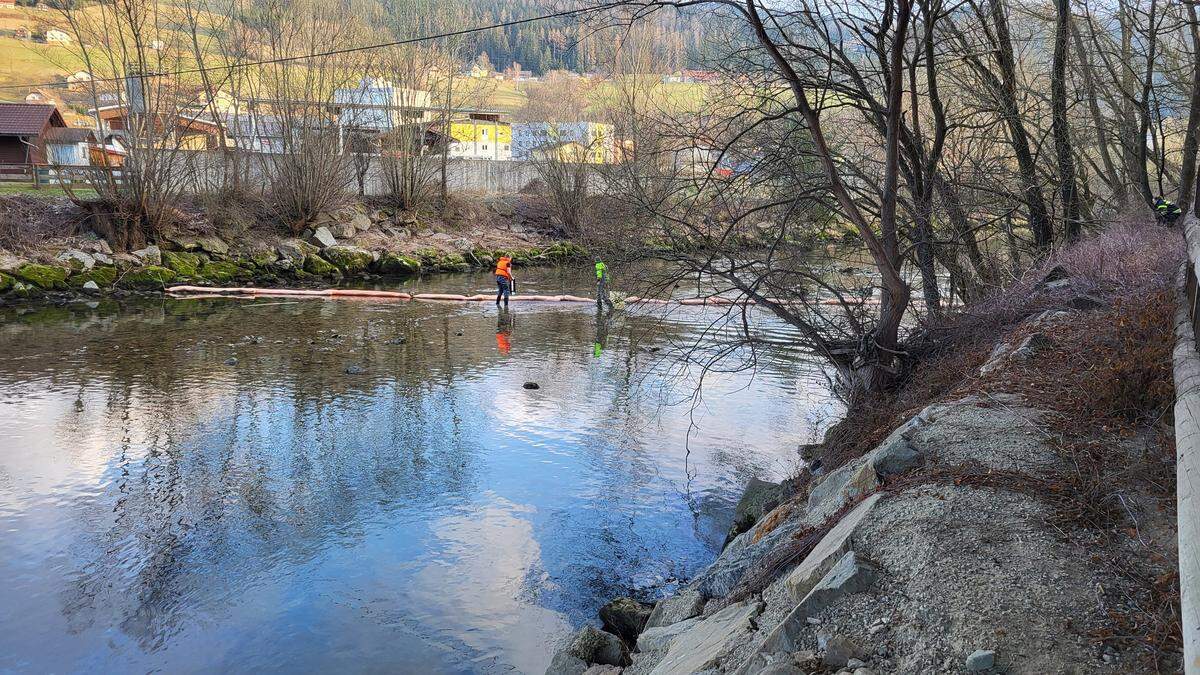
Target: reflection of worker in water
x,y
601,332
504,329
602,284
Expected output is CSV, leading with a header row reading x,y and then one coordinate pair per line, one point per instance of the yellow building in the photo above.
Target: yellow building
x,y
481,136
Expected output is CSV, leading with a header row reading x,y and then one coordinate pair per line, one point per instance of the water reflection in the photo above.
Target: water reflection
x,y
164,510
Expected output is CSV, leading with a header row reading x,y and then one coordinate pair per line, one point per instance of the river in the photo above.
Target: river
x,y
369,487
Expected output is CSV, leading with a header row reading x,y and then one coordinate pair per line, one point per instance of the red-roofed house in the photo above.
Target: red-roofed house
x,y
23,129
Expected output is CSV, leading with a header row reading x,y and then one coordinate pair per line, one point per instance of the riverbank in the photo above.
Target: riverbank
x,y
55,256
1009,509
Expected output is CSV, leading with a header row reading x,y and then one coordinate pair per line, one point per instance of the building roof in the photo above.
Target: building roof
x,y
27,119
69,135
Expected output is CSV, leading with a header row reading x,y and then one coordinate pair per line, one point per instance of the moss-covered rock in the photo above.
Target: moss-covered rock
x,y
318,266
103,276
262,257
453,262
23,290
397,264
564,250
147,278
182,263
222,272
349,259
6,282
46,277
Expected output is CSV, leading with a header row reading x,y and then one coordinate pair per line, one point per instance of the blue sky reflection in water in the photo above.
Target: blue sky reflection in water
x,y
161,509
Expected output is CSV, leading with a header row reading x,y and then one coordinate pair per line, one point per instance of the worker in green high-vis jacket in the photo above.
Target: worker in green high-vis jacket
x,y
602,285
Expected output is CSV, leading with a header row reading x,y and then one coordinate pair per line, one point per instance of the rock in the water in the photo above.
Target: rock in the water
x,y
397,264
348,259
758,499
322,237
625,618
660,637
231,361
183,263
701,647
683,605
532,385
566,664
46,277
91,287
315,264
981,659
355,369
596,646
76,259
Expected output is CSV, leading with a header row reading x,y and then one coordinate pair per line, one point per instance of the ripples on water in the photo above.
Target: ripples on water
x,y
161,509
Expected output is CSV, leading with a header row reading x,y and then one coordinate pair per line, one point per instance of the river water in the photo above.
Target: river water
x,y
165,509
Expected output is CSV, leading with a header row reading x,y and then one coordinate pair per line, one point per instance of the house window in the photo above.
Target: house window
x,y
484,133
485,146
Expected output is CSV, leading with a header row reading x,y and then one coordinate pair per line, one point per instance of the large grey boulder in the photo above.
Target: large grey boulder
x,y
702,646
565,664
980,660
839,488
901,451
849,575
757,500
625,618
151,255
596,646
361,222
661,637
295,250
832,547
685,604
747,551
343,231
76,259
322,238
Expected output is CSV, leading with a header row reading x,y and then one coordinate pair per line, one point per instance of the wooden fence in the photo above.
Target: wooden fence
x,y
1187,446
44,175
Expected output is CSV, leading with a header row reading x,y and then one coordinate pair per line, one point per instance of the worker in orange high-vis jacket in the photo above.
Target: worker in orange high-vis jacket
x,y
504,279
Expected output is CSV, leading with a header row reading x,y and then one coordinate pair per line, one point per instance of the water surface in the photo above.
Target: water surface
x,y
163,509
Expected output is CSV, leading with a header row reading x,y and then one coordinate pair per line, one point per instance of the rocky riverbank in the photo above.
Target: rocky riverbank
x,y
352,244
998,529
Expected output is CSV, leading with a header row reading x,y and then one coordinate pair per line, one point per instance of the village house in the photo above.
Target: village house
x,y
482,135
23,129
168,130
56,36
594,137
379,105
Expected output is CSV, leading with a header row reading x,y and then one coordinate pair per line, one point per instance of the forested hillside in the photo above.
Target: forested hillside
x,y
564,43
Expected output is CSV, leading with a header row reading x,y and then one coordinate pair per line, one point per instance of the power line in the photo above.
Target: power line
x,y
338,52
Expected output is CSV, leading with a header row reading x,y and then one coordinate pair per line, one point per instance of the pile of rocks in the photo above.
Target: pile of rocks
x,y
851,577
320,254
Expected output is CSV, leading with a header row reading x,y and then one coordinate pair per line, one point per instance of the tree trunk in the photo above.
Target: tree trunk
x,y
1188,187
1039,217
1060,125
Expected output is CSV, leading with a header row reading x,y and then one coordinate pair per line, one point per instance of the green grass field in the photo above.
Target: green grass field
x,y
46,191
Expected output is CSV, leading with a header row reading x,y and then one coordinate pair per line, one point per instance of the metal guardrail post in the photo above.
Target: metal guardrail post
x,y
1186,359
